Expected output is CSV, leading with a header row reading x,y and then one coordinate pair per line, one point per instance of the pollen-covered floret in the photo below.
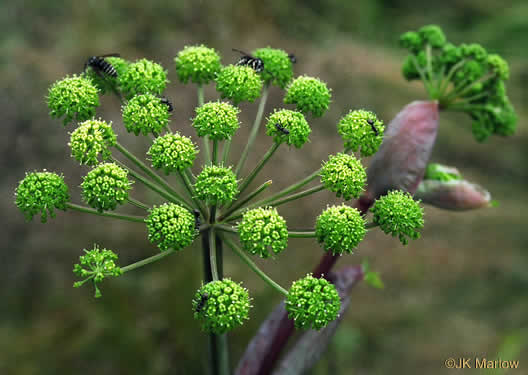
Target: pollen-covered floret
x,y
92,139
106,186
216,185
216,120
145,114
96,265
290,127
172,152
361,131
221,306
340,229
344,175
142,77
312,303
263,232
104,82
171,226
75,98
199,64
309,95
41,192
398,214
277,66
238,83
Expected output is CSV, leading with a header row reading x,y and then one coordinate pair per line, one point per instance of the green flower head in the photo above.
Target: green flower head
x,y
221,305
309,95
75,98
216,185
344,175
171,226
277,66
145,114
41,192
91,139
288,127
499,66
94,266
312,303
361,131
217,120
142,77
262,230
200,64
398,214
432,35
340,229
105,186
172,152
238,83
412,41
104,82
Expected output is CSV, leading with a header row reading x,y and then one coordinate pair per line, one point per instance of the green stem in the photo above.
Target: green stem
x,y
212,245
242,202
301,234
471,98
298,195
88,210
207,150
258,167
445,83
238,251
223,354
226,228
227,147
460,92
190,190
138,203
254,130
422,74
215,151
148,260
429,56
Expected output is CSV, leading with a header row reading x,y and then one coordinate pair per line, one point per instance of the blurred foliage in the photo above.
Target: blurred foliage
x,y
454,292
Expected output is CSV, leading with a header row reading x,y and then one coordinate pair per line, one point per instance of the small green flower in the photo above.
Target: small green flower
x,y
145,114
398,214
238,83
499,66
200,64
221,306
96,265
104,82
309,95
105,186
216,185
142,77
412,41
312,303
432,35
277,66
171,226
361,131
340,229
344,175
41,192
288,127
217,120
75,98
172,152
439,172
262,230
91,139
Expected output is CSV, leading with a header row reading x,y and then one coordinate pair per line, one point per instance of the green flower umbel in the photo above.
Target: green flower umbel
x,y
91,140
106,186
340,229
312,303
398,214
172,152
344,175
361,131
216,120
238,83
142,77
216,185
75,98
95,265
171,226
199,64
221,306
262,230
288,127
41,192
145,114
309,95
277,66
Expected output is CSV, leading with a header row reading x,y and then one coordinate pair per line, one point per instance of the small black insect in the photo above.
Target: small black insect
x,y
100,65
253,62
371,123
282,129
197,221
166,101
292,58
202,302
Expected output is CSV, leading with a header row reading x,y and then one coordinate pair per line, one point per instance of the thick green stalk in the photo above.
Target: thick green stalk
x,y
242,202
301,234
207,150
137,203
88,210
190,190
298,195
212,254
215,151
226,228
258,167
148,260
225,152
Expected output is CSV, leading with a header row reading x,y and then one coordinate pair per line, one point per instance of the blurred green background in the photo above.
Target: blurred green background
x,y
460,291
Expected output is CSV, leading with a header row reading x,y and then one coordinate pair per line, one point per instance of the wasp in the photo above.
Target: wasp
x,y
166,101
292,58
282,129
371,123
100,65
197,221
203,300
253,62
